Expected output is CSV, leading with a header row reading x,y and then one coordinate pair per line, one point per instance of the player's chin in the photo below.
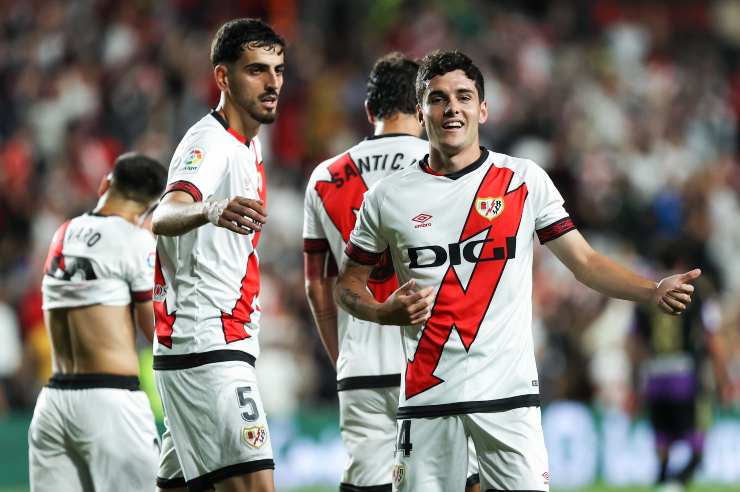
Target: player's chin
x,y
265,117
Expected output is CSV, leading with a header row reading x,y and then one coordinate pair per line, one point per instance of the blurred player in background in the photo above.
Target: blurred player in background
x,y
465,303
92,428
207,276
669,352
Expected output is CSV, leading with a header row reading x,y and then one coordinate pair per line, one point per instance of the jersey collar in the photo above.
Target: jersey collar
x,y
226,126
424,165
384,135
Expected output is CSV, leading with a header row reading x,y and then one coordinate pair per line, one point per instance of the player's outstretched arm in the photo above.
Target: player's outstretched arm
x,y
672,294
319,292
179,213
408,305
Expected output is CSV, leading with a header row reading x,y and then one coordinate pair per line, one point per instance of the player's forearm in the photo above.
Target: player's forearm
x,y
324,310
176,218
144,316
352,295
613,280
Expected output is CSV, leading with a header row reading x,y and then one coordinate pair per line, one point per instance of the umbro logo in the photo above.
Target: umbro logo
x,y
422,220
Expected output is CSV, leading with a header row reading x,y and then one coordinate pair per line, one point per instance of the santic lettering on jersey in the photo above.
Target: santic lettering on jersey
x,y
464,307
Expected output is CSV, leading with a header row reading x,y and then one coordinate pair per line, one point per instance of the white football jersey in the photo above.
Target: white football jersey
x,y
470,236
96,259
207,280
333,197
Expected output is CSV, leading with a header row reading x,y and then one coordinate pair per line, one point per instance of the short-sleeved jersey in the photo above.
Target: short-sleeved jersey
x,y
469,235
96,259
207,280
333,197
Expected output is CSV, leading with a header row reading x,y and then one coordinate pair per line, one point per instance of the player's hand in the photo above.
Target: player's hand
x,y
408,305
239,214
673,294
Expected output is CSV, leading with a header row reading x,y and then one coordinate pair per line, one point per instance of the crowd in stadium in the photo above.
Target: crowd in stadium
x,y
632,107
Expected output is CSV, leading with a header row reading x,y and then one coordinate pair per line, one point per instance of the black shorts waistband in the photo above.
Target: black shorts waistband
x,y
464,407
187,361
93,380
369,382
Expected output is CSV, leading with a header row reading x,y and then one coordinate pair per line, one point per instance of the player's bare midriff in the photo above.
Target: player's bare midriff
x,y
92,339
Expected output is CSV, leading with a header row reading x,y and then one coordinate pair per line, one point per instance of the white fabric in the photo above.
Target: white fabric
x,y
92,439
210,274
365,349
207,422
510,447
121,256
480,347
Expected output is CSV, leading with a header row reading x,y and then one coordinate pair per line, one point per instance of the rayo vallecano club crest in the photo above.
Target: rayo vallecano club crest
x,y
488,207
254,436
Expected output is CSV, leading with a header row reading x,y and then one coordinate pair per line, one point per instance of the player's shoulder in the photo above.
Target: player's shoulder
x,y
322,172
207,133
526,169
397,181
401,142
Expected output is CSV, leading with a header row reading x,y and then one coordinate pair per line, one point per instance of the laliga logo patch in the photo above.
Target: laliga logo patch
x,y
192,160
489,208
254,436
399,472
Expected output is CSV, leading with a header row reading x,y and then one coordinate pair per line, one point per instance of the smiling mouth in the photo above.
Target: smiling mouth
x,y
452,125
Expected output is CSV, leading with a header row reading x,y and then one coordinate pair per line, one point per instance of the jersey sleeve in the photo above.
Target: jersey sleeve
x,y
366,244
314,237
551,218
197,169
141,268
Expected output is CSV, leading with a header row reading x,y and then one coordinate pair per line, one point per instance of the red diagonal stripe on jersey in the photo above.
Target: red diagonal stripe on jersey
x,y
164,322
464,308
342,198
55,248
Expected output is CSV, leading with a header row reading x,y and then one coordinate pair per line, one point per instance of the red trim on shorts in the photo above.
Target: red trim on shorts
x,y
361,256
55,248
555,230
187,187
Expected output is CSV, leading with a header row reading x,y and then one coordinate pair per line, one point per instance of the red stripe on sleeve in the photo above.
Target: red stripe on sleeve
x,y
187,187
143,296
362,256
555,230
315,245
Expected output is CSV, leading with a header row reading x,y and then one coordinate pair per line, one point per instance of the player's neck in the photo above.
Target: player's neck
x,y
447,163
398,123
110,204
239,121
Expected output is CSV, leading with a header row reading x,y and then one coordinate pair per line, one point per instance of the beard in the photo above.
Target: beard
x,y
260,114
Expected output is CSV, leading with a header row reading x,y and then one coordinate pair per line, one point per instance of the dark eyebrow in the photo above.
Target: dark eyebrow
x,y
437,93
465,90
256,65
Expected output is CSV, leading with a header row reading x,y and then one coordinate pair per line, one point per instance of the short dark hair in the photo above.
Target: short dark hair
x,y
390,86
442,62
236,35
138,177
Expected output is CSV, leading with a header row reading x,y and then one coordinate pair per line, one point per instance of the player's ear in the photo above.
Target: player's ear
x,y
104,185
370,115
483,117
419,115
221,76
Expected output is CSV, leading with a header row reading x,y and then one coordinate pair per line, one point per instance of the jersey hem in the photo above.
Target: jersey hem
x,y
171,483
465,407
79,381
207,480
188,361
348,487
369,382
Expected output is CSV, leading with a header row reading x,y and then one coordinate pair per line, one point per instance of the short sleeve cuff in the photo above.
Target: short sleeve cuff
x,y
187,187
555,230
361,256
143,296
315,245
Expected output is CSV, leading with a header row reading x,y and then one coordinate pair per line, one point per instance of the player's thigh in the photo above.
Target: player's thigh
x,y
472,484
217,421
368,427
51,466
122,443
260,481
431,455
511,449
169,476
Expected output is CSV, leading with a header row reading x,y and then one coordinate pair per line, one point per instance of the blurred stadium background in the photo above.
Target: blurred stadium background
x,y
632,106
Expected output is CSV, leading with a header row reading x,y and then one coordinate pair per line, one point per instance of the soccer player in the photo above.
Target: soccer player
x,y
668,353
92,428
465,298
367,357
207,276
